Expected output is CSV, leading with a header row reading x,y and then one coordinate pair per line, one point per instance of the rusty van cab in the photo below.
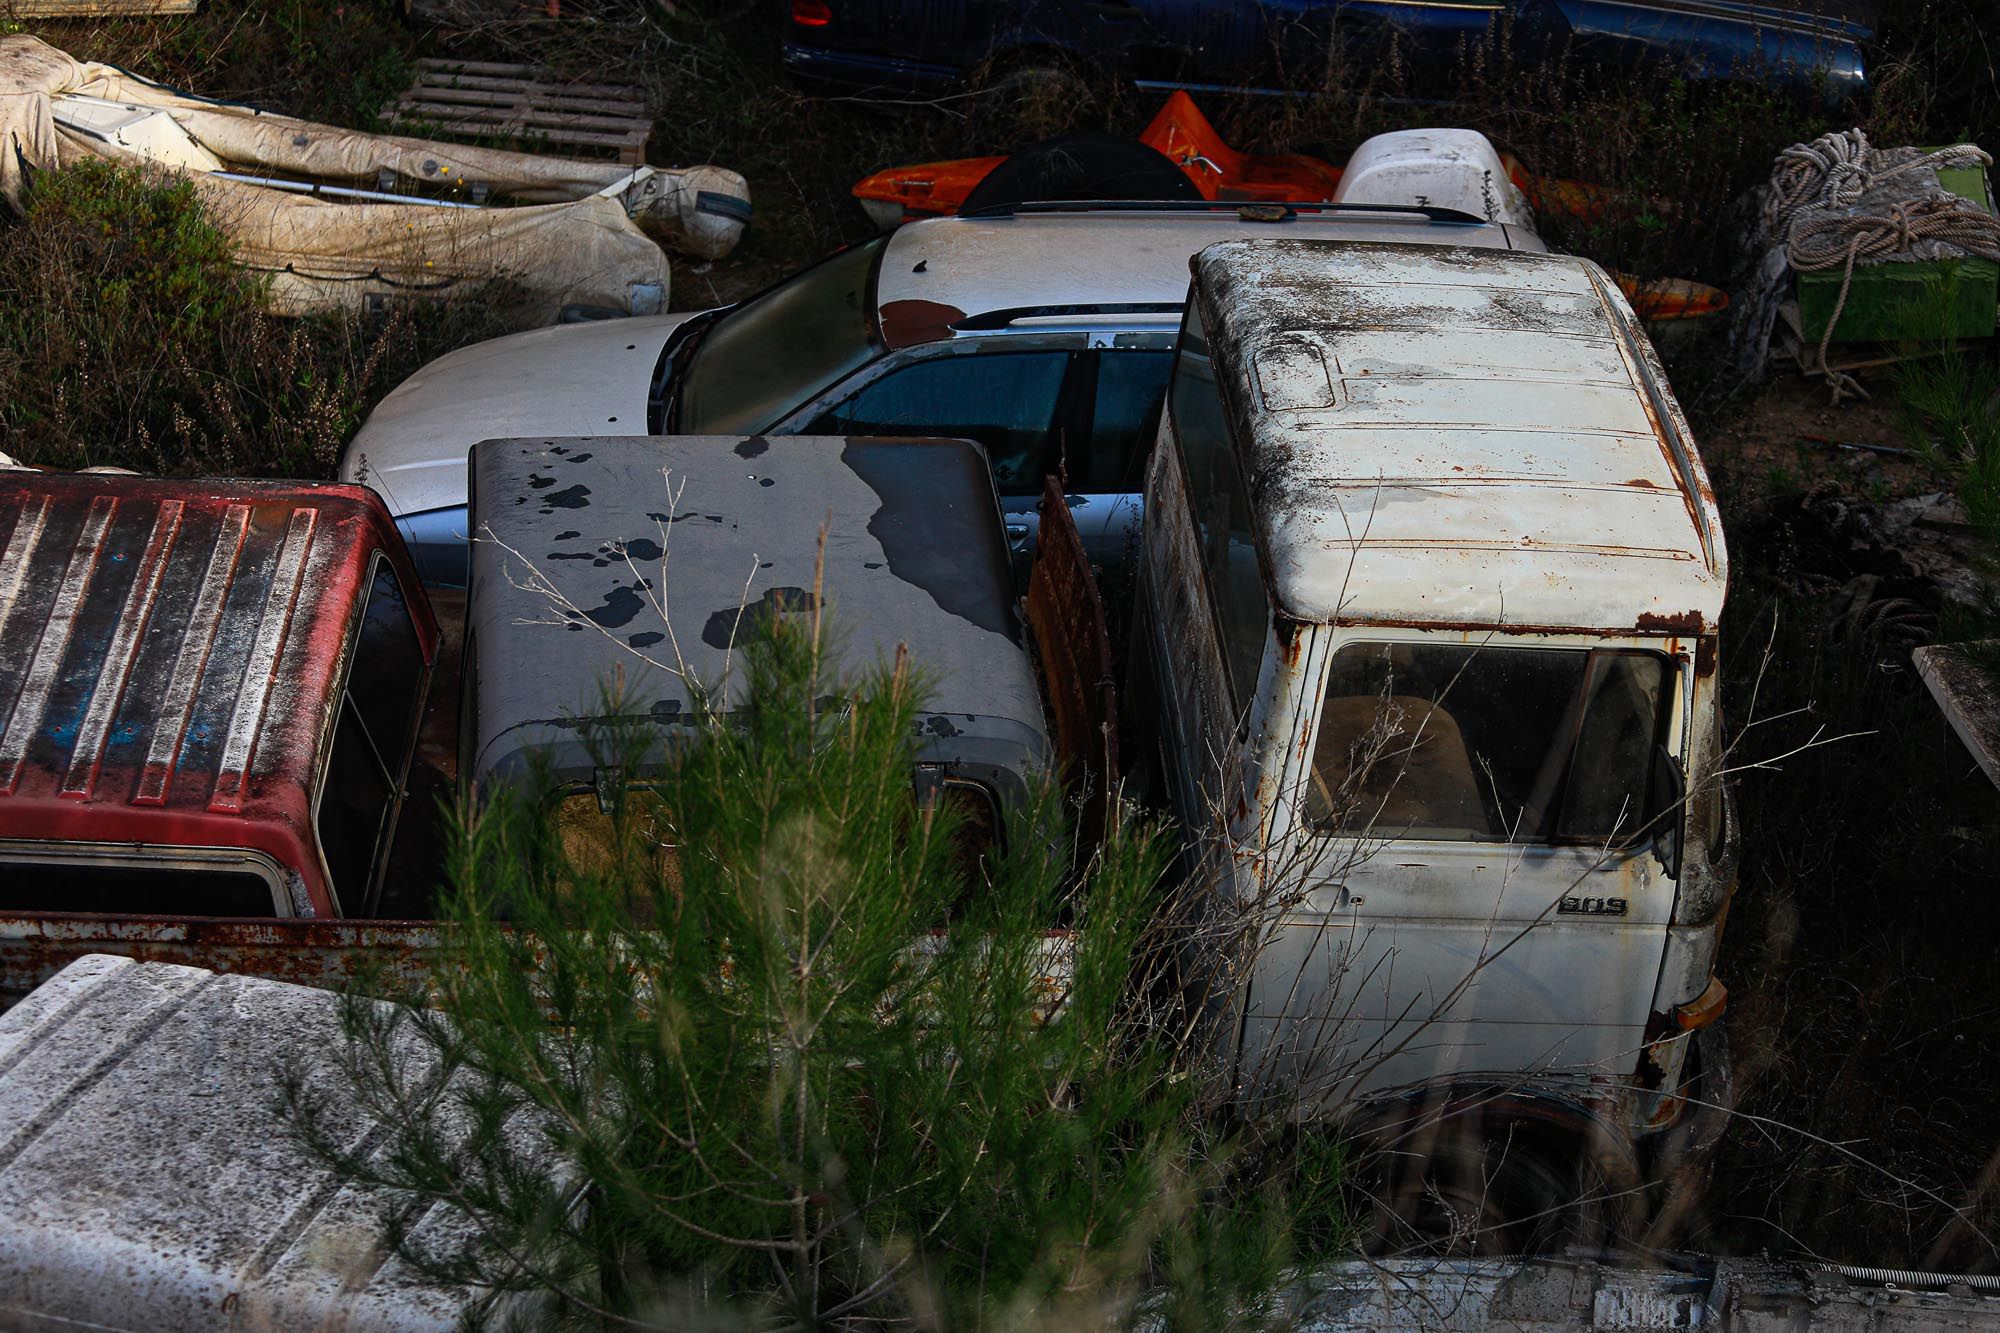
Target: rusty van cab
x,y
1430,583
211,692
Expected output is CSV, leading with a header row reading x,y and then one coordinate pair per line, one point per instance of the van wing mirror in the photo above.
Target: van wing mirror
x,y
1668,790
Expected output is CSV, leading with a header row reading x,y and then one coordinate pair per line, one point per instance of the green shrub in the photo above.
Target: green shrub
x,y
713,1024
129,336
1948,399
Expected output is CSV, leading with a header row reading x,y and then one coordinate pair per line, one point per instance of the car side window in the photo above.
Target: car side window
x,y
1005,400
372,737
1131,386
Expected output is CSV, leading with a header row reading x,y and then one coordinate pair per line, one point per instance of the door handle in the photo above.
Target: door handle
x,y
1017,534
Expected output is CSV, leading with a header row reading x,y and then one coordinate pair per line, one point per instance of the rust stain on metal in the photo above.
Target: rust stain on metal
x,y
1704,655
1660,1030
312,952
909,322
1067,616
1482,627
1683,622
1291,638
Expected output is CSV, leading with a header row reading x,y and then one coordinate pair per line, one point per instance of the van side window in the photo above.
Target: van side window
x,y
1473,743
372,737
1221,511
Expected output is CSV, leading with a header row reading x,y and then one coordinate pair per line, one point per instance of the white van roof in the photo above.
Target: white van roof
x,y
1452,437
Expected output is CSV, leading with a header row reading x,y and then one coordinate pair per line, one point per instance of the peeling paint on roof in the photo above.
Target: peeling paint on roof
x,y
683,550
1450,436
170,652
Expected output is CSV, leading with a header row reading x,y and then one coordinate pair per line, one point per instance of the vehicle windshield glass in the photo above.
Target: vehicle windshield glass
x,y
1483,744
761,361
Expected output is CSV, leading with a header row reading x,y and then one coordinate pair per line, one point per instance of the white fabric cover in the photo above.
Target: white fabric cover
x,y
571,240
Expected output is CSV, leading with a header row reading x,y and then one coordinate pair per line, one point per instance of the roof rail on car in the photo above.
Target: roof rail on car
x,y
1000,319
1248,210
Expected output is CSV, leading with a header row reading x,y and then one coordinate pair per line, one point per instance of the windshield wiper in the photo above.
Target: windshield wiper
x,y
671,368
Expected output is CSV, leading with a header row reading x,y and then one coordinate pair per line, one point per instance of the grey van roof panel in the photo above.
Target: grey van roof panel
x,y
653,556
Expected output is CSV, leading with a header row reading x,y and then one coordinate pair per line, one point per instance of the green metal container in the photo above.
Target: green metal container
x,y
1893,302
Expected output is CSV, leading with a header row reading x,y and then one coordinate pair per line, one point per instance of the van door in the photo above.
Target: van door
x,y
1474,827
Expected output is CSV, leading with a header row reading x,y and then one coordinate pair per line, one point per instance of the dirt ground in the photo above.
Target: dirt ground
x,y
1859,948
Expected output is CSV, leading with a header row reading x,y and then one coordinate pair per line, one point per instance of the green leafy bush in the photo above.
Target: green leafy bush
x,y
763,1037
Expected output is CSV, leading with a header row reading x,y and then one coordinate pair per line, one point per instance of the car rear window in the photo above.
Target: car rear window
x,y
132,889
372,740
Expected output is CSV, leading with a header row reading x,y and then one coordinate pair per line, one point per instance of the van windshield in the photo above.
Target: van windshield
x,y
1483,744
769,356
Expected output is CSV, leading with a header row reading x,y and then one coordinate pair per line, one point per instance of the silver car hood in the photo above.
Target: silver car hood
x,y
573,379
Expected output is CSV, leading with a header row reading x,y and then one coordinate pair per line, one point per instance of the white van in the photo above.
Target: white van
x,y
1431,576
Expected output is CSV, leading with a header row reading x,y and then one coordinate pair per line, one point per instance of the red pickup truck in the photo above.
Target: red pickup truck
x,y
211,694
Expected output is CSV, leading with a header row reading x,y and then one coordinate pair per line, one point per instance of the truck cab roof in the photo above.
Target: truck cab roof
x,y
654,558
1451,437
171,653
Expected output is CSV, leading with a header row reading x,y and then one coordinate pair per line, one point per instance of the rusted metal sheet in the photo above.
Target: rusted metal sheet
x,y
1562,1295
325,953
170,655
1067,616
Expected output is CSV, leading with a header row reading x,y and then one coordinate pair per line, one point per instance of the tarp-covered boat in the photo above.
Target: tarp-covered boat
x,y
338,217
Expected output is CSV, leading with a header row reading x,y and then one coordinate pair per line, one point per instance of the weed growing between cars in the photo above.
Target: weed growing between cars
x,y
765,1036
1948,399
129,336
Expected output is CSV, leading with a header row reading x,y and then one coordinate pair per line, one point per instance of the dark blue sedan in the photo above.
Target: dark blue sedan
x,y
1202,45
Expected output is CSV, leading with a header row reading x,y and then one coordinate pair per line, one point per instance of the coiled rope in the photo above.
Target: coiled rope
x,y
1829,176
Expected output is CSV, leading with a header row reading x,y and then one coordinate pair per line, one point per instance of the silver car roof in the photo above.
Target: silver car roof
x,y
593,379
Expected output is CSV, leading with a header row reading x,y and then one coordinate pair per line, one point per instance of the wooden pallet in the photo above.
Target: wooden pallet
x,y
525,104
